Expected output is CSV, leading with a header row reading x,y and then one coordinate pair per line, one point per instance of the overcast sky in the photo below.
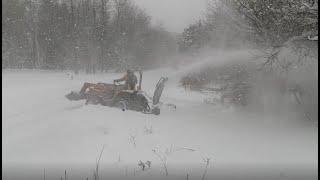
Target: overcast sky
x,y
175,15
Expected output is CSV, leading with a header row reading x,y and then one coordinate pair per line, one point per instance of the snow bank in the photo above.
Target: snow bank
x,y
43,129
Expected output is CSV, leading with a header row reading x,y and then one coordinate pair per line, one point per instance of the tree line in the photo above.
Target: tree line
x,y
270,23
91,35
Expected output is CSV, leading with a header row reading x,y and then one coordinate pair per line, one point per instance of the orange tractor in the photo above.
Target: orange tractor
x,y
116,95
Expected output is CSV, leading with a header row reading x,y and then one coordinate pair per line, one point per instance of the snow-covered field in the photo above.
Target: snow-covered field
x,y
41,129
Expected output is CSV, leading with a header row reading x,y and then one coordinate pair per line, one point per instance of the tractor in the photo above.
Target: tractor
x,y
116,95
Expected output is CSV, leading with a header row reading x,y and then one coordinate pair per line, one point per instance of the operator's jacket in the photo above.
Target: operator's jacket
x,y
130,81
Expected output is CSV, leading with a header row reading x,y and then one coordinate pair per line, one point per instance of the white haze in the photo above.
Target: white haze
x,y
43,130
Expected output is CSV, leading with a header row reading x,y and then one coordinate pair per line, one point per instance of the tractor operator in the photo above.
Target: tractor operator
x,y
130,80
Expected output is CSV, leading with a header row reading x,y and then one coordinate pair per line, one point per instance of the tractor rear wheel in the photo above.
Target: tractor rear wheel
x,y
156,111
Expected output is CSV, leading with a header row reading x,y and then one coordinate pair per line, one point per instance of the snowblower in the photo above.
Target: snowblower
x,y
116,95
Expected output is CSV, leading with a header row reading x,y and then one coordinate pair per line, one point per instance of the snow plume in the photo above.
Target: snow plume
x,y
275,86
216,58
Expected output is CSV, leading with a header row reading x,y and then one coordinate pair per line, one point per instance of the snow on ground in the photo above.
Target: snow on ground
x,y
40,126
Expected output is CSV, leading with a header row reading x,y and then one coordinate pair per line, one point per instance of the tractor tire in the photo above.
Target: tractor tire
x,y
156,111
93,100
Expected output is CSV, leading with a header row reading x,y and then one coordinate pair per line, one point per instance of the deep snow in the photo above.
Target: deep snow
x,y
42,129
